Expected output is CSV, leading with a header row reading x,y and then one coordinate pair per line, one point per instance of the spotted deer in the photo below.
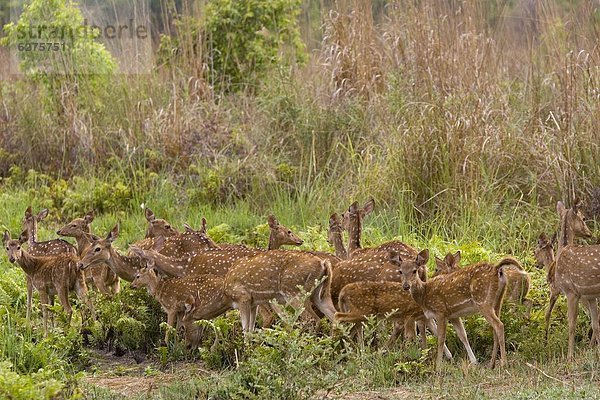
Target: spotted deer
x,y
335,236
209,302
50,275
157,226
518,283
35,248
218,261
104,279
277,275
385,299
172,293
477,288
577,270
352,222
101,251
181,245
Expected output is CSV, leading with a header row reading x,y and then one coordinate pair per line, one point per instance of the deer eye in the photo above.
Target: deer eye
x,y
168,226
289,232
97,249
18,247
73,226
414,271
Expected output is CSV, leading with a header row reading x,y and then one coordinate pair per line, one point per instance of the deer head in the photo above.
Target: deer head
x,y
30,221
99,251
13,247
409,269
77,226
280,235
145,277
158,226
572,223
449,264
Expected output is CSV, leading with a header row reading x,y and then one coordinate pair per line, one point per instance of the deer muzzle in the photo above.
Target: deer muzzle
x,y
12,259
81,266
406,286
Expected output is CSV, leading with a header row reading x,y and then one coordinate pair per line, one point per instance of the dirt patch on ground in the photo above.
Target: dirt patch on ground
x,y
129,375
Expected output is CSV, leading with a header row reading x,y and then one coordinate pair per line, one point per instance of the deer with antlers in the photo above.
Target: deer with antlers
x,y
104,279
51,275
477,288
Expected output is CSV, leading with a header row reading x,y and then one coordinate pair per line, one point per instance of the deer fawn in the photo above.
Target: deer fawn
x,y
518,283
359,299
50,275
577,270
101,252
209,302
104,279
477,288
172,293
49,247
277,275
157,226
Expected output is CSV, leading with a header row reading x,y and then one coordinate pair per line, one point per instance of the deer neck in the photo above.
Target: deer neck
x,y
155,286
29,263
418,292
32,233
338,245
354,232
170,266
567,236
125,267
273,243
83,242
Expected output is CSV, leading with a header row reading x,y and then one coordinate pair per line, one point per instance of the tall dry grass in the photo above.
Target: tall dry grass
x,y
440,104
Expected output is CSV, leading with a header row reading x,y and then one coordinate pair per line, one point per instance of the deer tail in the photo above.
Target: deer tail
x,y
322,293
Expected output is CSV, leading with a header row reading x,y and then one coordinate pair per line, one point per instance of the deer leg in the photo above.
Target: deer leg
x,y
462,335
51,304
82,294
572,305
99,278
171,321
553,298
63,298
441,338
593,307
433,327
252,321
29,296
44,301
399,328
356,333
498,328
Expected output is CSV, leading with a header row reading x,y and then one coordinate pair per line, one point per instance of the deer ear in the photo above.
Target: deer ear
x,y
369,207
28,212
333,219
553,239
89,217
113,234
449,260
23,237
560,208
440,265
423,257
6,237
273,223
353,207
457,258
394,257
159,243
42,214
203,226
149,215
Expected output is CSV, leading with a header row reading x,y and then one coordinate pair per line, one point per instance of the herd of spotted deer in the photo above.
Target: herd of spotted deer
x,y
194,278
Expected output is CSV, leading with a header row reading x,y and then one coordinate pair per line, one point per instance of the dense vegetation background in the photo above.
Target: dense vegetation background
x,y
466,121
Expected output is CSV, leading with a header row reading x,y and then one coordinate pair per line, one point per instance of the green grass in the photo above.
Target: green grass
x,y
315,364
